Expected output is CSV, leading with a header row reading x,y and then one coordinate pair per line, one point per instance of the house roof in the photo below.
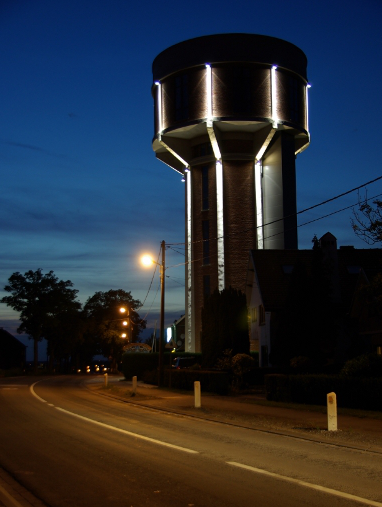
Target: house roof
x,y
7,340
273,269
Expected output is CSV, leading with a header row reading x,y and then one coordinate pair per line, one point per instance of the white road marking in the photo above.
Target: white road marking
x,y
135,435
34,394
9,497
307,484
114,428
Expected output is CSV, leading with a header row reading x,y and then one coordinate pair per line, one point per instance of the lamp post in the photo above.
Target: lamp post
x,y
147,260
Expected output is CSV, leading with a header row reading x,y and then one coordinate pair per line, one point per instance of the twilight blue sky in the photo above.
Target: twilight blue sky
x,y
81,191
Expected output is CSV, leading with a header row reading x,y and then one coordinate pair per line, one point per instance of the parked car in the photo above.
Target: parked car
x,y
183,362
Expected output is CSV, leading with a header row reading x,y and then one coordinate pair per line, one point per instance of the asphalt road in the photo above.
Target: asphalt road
x,y
69,446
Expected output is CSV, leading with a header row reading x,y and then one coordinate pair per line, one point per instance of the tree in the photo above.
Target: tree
x,y
40,299
224,325
65,336
104,321
367,222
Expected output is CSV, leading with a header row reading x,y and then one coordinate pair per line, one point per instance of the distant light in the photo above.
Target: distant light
x,y
183,179
122,310
123,335
186,169
157,83
124,323
274,67
308,85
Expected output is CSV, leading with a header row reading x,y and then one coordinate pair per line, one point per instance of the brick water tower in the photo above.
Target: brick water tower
x,y
231,115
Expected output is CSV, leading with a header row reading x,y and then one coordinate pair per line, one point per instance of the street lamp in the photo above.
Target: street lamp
x,y
125,323
148,261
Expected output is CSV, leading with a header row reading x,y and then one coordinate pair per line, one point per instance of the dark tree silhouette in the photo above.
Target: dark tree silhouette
x,y
40,299
367,222
104,322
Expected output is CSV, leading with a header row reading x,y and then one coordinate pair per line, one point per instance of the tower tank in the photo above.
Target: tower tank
x,y
230,116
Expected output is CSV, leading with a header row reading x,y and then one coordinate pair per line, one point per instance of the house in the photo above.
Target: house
x,y
278,282
12,351
175,335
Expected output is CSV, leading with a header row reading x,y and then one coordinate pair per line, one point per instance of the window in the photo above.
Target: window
x,y
264,356
202,150
206,286
205,201
353,270
261,315
181,97
253,314
206,241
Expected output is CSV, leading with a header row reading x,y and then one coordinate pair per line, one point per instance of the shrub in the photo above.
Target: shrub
x,y
367,365
352,392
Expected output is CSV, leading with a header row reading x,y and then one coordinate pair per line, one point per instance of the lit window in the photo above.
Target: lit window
x,y
261,315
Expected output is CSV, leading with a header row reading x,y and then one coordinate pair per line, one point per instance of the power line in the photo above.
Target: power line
x,y
170,245
300,225
151,283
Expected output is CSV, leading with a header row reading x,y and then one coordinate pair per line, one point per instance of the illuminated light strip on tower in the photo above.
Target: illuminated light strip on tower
x,y
210,127
259,205
220,224
209,91
219,179
308,85
265,145
189,262
274,96
159,105
172,151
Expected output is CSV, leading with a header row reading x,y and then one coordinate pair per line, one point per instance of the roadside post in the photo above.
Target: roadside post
x,y
134,386
198,401
105,379
332,411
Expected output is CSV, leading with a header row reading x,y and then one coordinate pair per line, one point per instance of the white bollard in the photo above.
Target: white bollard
x,y
105,379
134,385
332,411
198,398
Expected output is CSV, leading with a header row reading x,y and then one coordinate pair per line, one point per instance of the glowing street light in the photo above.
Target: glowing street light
x,y
148,261
125,323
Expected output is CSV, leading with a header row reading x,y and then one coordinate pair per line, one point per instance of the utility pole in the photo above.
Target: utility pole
x,y
161,339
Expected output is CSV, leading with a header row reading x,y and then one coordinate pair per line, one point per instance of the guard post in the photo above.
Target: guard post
x,y
332,411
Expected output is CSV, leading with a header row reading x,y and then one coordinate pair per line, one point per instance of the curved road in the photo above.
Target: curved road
x,y
70,446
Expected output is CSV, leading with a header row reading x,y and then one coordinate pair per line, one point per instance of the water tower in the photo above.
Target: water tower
x,y
230,116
